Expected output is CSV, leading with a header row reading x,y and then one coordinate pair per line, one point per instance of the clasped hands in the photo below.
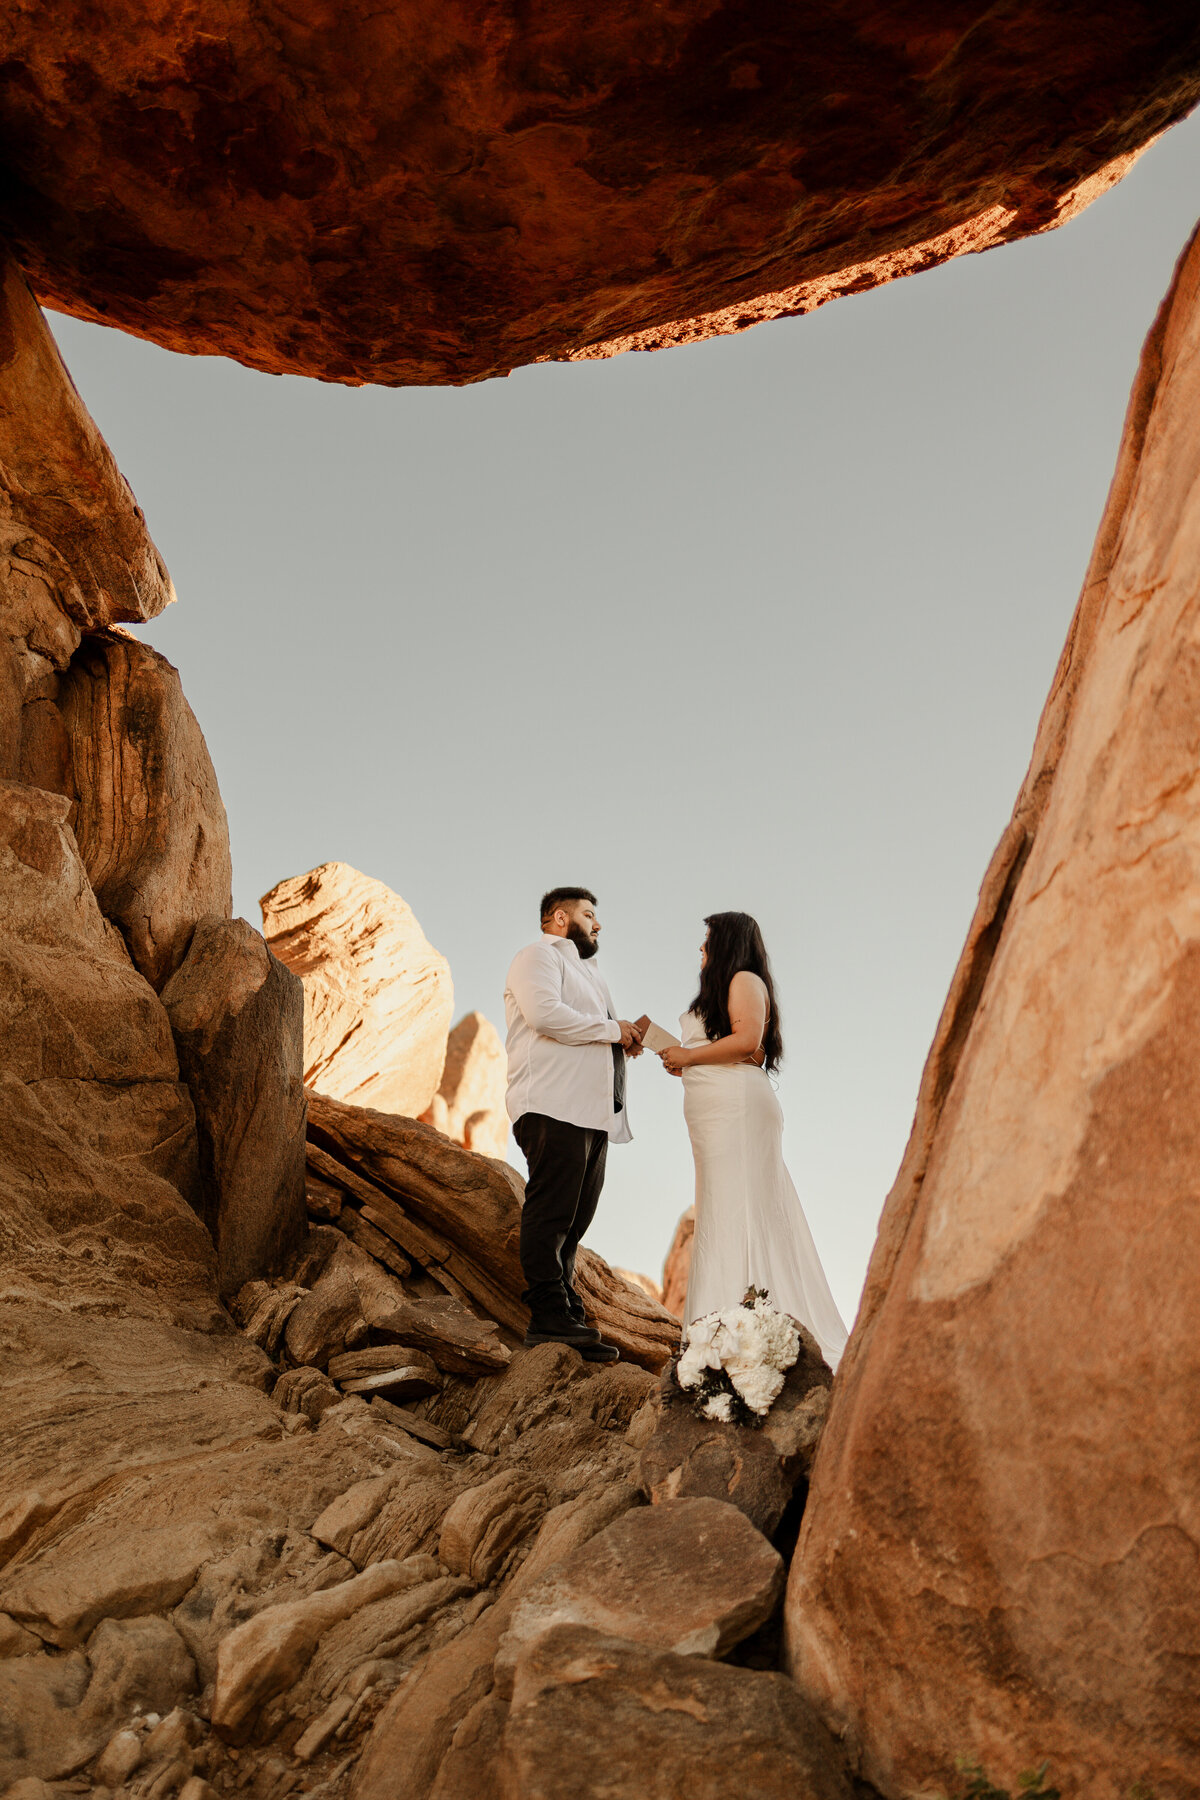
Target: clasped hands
x,y
631,1038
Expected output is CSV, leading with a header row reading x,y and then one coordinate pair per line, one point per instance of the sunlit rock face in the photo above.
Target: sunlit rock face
x,y
999,1552
378,998
431,193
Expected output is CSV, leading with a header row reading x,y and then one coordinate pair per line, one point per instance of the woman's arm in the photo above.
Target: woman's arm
x,y
748,1022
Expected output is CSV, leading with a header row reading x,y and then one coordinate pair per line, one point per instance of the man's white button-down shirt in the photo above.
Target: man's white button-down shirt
x,y
561,1029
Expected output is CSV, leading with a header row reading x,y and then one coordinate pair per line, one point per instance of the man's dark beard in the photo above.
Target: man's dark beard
x,y
585,945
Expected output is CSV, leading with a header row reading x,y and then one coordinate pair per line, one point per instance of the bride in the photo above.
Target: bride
x,y
750,1227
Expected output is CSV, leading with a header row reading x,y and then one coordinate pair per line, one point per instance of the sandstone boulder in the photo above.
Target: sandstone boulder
x,y
433,195
469,1104
237,1016
98,1131
1005,1496
755,1468
453,1338
691,1576
149,817
378,998
326,1321
596,1716
677,1268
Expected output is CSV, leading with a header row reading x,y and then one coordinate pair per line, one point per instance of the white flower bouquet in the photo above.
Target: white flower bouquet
x,y
733,1363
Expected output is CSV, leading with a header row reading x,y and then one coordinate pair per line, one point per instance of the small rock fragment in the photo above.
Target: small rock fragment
x,y
482,1525
411,1377
318,1734
119,1758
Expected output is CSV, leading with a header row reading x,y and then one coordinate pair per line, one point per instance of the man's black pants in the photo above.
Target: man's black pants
x,y
566,1174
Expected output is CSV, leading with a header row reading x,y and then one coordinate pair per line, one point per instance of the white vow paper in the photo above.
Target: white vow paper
x,y
655,1038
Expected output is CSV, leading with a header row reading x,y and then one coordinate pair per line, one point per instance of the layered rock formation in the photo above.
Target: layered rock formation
x,y
469,1103
378,997
998,1556
458,1216
424,195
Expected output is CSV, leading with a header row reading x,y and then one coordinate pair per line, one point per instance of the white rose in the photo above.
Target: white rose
x,y
719,1406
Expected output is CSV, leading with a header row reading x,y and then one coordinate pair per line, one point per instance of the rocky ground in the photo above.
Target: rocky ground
x,y
365,1541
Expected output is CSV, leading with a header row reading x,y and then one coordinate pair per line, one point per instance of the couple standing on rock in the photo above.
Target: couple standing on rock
x,y
566,1097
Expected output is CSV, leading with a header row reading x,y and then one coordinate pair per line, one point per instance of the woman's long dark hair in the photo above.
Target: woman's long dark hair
x,y
735,943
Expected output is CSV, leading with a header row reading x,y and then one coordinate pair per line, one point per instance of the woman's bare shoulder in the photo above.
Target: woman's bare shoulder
x,y
748,983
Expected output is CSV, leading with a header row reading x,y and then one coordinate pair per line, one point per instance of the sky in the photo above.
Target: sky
x,y
763,623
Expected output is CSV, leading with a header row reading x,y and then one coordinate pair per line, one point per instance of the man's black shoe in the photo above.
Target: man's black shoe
x,y
575,1309
560,1328
601,1352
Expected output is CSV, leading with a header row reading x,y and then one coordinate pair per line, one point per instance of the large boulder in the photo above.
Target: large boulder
x,y
469,1104
378,997
998,1557
238,1020
690,1576
757,1468
436,194
149,817
595,1716
85,1046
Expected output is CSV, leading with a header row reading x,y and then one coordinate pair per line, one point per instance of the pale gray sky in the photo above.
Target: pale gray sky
x,y
764,623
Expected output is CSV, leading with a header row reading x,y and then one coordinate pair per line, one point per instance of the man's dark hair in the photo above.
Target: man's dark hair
x,y
557,896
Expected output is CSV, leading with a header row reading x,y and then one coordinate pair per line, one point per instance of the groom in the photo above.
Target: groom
x,y
566,1099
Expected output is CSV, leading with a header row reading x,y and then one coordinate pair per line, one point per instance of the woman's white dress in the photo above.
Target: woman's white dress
x,y
750,1227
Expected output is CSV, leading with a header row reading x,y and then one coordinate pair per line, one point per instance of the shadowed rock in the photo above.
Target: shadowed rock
x,y
431,194
597,1716
238,1017
149,817
756,1468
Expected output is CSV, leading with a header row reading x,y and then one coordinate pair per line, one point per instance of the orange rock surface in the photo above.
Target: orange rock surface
x,y
999,1551
677,1267
435,193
